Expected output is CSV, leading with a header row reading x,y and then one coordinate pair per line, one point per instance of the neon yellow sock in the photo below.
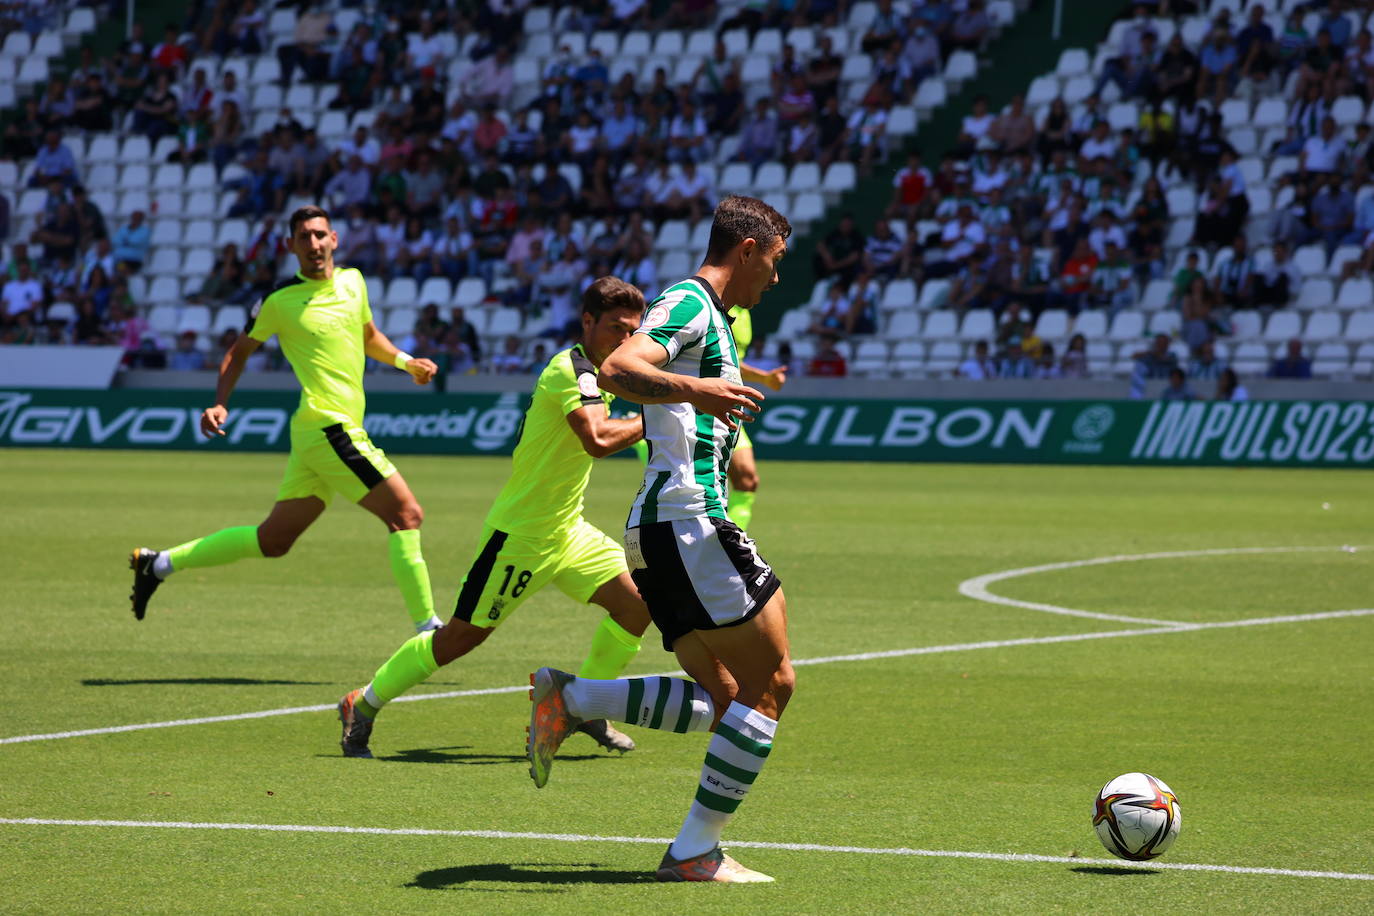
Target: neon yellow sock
x,y
412,575
742,507
410,665
217,549
613,648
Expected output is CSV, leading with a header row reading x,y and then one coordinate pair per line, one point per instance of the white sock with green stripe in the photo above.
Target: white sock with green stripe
x,y
665,703
736,754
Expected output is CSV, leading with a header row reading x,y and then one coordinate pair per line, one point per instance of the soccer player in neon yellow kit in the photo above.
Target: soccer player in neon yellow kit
x,y
744,473
324,323
535,533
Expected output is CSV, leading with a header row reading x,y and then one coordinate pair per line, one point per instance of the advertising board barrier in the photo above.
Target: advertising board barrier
x,y
1320,433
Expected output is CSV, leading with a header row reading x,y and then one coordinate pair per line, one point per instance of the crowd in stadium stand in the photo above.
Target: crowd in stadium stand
x,y
1068,213
452,179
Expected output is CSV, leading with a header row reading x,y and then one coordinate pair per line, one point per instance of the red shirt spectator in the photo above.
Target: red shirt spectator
x,y
828,361
489,133
169,55
1077,274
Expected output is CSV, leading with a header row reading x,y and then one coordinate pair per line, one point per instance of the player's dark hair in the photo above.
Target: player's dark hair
x,y
307,213
609,294
738,218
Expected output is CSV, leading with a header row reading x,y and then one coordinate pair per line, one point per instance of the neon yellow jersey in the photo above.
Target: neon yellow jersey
x,y
550,468
320,326
742,326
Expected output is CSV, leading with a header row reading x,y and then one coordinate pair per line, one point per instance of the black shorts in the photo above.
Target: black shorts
x,y
697,574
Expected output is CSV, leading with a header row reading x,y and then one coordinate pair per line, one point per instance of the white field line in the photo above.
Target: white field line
x,y
824,660
661,841
975,588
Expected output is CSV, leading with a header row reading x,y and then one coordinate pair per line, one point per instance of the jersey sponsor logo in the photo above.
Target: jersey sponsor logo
x,y
497,607
586,384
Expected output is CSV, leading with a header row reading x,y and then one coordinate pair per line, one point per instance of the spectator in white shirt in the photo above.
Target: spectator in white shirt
x,y
687,135
22,294
361,145
973,130
1323,153
426,49
1100,144
391,235
978,367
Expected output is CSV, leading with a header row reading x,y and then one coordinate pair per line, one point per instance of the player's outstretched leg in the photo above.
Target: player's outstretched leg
x,y
755,654
411,664
273,538
614,645
393,503
151,567
561,702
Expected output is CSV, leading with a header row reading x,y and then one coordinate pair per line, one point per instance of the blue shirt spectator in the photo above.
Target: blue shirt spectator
x,y
54,160
131,241
619,128
1219,54
1336,24
593,74
1294,365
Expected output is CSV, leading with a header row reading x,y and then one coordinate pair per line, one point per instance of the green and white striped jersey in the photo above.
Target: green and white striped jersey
x,y
689,451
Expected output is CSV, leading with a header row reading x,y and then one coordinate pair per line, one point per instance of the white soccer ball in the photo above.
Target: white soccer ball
x,y
1137,817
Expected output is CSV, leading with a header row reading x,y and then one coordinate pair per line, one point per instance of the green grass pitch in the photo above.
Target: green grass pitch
x,y
1264,731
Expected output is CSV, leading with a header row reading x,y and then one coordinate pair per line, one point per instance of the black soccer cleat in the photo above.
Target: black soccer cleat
x,y
145,580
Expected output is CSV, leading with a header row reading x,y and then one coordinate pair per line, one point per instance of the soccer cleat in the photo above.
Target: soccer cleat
x,y
713,865
357,728
145,580
606,735
550,721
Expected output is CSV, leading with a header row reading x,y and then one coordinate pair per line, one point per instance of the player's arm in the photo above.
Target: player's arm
x,y
230,368
634,372
600,433
774,379
378,346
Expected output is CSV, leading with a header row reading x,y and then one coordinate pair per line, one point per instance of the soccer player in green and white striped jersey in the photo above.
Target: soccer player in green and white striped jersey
x,y
719,606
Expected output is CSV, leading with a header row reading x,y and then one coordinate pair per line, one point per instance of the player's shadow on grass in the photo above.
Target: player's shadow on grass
x,y
198,681
1113,870
464,876
445,755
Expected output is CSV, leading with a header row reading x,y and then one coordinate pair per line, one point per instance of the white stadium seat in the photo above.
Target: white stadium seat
x,y
941,325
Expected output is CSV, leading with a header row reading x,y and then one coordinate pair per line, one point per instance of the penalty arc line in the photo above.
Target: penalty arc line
x,y
823,660
977,587
742,844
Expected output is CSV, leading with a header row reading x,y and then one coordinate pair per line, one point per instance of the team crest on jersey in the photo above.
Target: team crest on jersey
x,y
586,383
656,317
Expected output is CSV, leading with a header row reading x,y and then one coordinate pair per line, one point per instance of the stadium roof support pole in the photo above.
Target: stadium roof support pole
x,y
129,18
1055,31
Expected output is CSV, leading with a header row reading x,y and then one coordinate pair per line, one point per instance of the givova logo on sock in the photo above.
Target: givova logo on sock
x,y
717,784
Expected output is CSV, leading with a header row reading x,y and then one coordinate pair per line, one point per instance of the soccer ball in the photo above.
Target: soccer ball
x,y
1137,817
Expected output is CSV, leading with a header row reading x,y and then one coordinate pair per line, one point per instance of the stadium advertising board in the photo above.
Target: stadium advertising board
x,y
1283,433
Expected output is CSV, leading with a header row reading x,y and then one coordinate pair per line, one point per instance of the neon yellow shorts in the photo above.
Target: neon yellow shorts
x,y
337,458
743,441
509,568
